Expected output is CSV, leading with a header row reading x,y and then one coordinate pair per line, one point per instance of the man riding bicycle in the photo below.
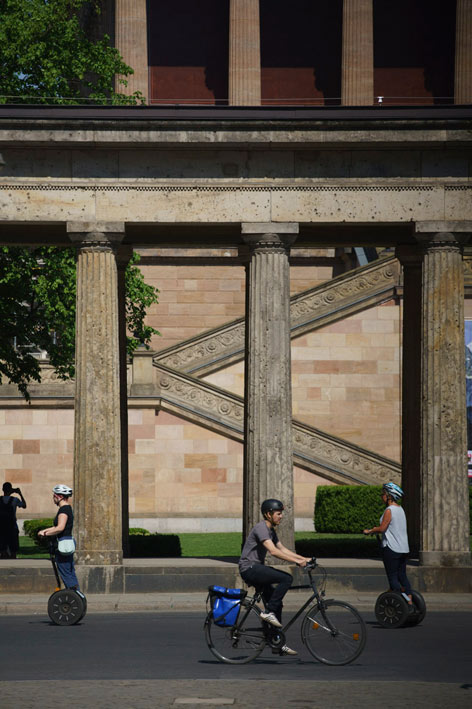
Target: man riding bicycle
x,y
275,583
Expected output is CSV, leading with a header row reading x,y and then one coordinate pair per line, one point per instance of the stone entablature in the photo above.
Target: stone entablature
x,y
215,204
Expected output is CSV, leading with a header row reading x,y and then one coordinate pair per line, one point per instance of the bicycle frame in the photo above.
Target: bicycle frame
x,y
250,603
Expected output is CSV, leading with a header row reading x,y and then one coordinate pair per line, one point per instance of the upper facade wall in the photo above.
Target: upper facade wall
x,y
310,171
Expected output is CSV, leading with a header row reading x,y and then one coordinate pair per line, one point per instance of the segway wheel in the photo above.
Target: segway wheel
x,y
420,608
66,607
79,593
391,610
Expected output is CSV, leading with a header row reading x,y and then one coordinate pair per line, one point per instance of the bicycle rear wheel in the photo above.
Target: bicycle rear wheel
x,y
335,634
239,643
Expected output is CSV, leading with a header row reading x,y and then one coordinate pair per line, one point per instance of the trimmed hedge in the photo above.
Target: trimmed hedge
x,y
347,509
154,545
339,548
33,526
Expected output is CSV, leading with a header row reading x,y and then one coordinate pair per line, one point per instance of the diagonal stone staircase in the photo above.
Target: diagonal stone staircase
x,y
339,298
314,450
182,392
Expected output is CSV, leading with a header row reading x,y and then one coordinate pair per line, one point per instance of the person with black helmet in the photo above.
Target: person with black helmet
x,y
395,547
262,539
63,523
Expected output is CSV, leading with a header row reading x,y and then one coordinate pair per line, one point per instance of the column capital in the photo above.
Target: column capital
x,y
269,236
96,235
442,241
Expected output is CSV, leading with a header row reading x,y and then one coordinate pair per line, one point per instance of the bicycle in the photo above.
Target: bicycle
x,y
333,631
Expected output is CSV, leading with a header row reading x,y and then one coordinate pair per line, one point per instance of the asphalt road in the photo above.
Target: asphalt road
x,y
165,649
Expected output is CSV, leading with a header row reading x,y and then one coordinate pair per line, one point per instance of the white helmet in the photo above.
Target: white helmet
x,y
62,490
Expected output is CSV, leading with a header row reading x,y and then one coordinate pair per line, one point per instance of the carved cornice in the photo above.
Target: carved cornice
x,y
339,460
216,404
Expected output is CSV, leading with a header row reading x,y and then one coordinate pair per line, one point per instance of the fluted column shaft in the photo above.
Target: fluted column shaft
x,y
244,81
463,64
97,443
268,402
131,42
444,495
357,83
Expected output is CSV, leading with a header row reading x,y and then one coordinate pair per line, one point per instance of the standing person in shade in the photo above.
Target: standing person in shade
x,y
262,539
395,546
9,534
63,524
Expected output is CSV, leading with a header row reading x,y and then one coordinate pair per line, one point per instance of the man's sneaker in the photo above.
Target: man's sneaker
x,y
271,619
285,650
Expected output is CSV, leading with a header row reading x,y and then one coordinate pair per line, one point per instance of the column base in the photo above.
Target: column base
x,y
445,558
101,579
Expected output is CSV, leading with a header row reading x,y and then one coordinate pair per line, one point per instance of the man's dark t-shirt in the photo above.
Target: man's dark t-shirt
x,y
254,551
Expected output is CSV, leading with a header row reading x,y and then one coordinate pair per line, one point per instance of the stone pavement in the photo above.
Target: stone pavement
x,y
247,694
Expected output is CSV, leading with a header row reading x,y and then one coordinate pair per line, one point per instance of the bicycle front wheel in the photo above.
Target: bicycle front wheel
x,y
239,643
334,634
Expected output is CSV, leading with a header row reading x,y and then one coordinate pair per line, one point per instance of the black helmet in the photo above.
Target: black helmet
x,y
271,505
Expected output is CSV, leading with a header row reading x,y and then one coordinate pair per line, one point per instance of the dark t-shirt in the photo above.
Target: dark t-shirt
x,y
65,510
254,551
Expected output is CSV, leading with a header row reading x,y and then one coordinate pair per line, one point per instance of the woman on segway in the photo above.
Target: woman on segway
x,y
63,524
395,546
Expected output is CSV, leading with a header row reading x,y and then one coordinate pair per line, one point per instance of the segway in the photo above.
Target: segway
x,y
66,606
393,611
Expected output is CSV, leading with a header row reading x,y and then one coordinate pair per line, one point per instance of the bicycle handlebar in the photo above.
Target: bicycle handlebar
x,y
312,564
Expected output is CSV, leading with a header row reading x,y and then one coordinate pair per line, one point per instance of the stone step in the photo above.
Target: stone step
x,y
195,575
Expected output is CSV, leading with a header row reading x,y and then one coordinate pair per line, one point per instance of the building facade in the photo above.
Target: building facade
x,y
303,236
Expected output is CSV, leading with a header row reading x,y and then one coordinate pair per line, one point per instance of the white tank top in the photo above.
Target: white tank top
x,y
395,536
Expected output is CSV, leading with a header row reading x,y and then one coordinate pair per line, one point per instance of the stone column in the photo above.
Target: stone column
x,y
463,66
444,496
244,81
411,258
131,42
123,257
97,445
357,82
268,465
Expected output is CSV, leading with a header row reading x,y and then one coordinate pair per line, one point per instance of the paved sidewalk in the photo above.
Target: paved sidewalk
x,y
237,693
24,604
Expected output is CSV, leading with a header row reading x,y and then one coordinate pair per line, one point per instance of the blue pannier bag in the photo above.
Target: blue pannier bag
x,y
225,604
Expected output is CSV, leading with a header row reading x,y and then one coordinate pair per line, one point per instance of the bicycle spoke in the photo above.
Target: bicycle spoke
x,y
238,644
335,635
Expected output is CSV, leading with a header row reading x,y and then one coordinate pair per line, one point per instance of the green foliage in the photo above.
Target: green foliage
x,y
37,307
347,508
139,297
154,546
33,526
46,56
139,532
